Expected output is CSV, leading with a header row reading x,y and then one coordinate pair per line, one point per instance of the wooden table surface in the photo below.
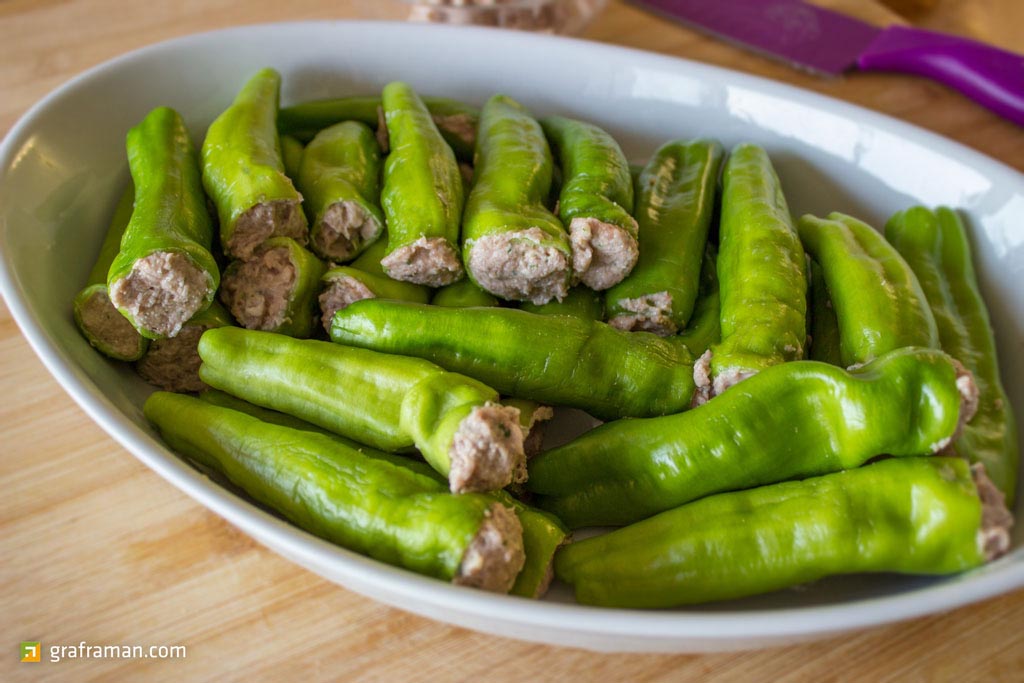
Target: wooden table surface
x,y
94,547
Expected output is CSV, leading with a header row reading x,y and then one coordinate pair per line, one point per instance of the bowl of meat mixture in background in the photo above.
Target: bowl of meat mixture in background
x,y
564,17
59,188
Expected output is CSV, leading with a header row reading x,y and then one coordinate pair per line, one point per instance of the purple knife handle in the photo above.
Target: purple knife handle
x,y
988,75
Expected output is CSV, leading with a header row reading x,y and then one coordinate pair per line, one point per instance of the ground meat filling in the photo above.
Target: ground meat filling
x,y
487,450
495,556
969,396
602,253
173,364
706,387
461,126
162,291
996,520
430,261
343,229
383,137
338,294
106,324
517,265
266,220
534,438
650,313
257,292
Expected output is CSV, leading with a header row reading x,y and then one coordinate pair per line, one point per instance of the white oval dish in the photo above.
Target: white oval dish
x,y
62,168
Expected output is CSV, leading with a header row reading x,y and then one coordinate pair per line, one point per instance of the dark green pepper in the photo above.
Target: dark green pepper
x,y
877,299
554,359
243,171
339,178
422,195
512,245
761,277
164,273
366,504
387,402
791,420
98,320
907,515
275,289
595,202
675,200
936,247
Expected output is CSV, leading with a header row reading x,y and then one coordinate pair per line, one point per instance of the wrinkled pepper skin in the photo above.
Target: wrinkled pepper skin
x,y
792,420
823,325
907,515
463,294
291,156
557,360
704,329
340,168
877,299
97,318
243,167
455,120
580,302
595,201
300,316
325,487
169,214
936,247
675,202
387,402
761,272
512,179
423,193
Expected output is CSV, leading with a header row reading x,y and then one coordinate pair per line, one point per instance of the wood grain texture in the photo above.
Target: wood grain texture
x,y
95,547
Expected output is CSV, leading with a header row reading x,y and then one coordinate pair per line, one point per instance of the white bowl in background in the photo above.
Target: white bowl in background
x,y
63,166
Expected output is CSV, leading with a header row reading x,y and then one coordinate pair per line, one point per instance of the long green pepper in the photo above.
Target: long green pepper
x,y
387,402
907,515
554,359
877,299
761,275
675,202
935,245
792,420
595,202
164,272
422,196
512,245
243,171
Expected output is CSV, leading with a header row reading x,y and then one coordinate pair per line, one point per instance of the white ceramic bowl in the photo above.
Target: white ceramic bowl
x,y
63,166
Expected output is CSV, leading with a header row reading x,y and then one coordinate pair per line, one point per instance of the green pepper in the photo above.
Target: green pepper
x,y
456,121
173,363
164,272
908,515
364,279
243,171
98,320
275,289
339,177
703,329
512,245
761,276
877,299
554,359
291,156
387,402
675,201
422,195
462,294
580,302
595,202
365,504
936,247
823,325
791,420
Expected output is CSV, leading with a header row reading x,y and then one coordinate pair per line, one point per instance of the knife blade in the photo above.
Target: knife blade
x,y
829,42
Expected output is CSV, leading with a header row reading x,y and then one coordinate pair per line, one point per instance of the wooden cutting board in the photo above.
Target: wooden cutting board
x,y
96,548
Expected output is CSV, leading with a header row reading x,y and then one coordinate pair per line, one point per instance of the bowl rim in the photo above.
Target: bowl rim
x,y
404,588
